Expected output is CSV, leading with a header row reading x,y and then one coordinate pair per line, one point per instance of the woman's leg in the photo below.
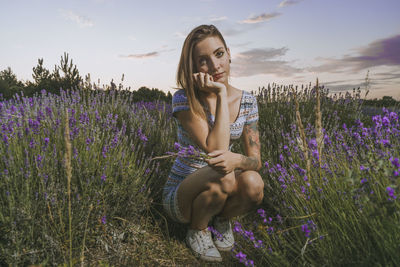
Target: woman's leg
x,y
202,194
248,192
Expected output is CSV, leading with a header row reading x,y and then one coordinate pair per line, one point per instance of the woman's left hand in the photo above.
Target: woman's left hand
x,y
223,161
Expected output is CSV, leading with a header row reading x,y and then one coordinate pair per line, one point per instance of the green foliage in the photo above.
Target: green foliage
x,y
9,85
385,101
147,95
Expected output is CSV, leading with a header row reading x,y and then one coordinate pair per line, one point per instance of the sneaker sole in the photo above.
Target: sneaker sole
x,y
224,248
210,259
203,257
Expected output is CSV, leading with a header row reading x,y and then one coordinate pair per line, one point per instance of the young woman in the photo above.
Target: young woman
x,y
210,113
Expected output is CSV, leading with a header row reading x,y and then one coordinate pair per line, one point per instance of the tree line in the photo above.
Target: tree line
x,y
66,76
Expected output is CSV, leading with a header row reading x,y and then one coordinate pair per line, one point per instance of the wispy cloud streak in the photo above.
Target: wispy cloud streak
x,y
382,52
262,61
82,21
140,56
288,3
260,18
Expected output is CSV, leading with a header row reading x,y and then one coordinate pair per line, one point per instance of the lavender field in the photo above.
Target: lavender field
x,y
79,184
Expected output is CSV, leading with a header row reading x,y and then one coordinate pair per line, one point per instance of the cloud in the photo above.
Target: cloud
x,y
260,61
150,54
382,52
218,18
180,35
344,85
82,21
288,3
139,56
387,76
244,44
260,18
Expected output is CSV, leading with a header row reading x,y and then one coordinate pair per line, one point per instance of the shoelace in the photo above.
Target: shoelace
x,y
206,240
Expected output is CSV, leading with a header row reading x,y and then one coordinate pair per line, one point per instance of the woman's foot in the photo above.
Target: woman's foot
x,y
201,243
224,239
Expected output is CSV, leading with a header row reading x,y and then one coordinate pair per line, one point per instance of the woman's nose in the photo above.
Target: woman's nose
x,y
214,64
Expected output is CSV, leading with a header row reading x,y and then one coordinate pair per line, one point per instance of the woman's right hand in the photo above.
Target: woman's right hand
x,y
205,83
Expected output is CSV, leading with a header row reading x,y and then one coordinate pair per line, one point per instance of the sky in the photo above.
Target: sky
x,y
285,42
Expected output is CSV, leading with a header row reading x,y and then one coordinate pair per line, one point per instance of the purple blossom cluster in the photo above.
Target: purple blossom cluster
x,y
247,235
187,152
243,259
308,228
391,194
217,234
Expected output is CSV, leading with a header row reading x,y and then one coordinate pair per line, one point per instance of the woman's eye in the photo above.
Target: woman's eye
x,y
220,53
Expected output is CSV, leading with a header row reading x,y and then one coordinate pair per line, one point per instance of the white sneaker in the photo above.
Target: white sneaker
x,y
224,241
202,245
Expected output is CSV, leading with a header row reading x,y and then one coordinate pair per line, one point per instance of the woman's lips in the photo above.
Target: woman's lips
x,y
218,76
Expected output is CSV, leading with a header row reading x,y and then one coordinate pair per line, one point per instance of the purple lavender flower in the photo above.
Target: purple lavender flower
x,y
5,139
249,263
393,116
385,121
177,146
306,230
363,168
327,140
39,159
385,142
395,162
313,144
103,219
216,233
259,244
241,256
261,212
104,151
390,192
279,218
237,227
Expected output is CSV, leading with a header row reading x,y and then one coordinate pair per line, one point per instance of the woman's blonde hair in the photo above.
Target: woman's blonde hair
x,y
186,68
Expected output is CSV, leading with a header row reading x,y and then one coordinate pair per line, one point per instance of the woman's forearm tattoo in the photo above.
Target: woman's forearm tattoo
x,y
253,136
253,140
249,163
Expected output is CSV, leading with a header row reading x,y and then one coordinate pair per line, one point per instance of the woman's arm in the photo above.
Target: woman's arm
x,y
219,136
251,141
227,161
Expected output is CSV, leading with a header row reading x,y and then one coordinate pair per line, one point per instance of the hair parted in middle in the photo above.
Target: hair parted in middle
x,y
186,67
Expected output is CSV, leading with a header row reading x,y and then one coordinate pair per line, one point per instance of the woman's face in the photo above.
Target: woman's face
x,y
210,56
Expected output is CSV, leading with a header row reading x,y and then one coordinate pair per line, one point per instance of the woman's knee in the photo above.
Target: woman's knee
x,y
253,187
215,193
228,183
